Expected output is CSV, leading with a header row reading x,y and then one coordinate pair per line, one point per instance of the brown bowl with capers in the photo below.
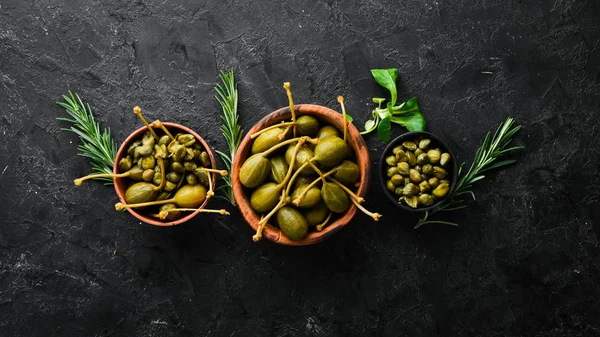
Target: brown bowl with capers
x,y
418,171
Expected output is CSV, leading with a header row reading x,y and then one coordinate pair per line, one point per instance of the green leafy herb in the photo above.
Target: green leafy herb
x,y
99,147
406,114
227,96
485,159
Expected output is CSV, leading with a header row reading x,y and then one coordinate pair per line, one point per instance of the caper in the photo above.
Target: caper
x,y
433,182
303,156
390,186
311,198
422,159
445,181
307,126
335,198
427,169
189,154
441,190
148,174
401,156
171,215
266,140
330,151
186,139
403,168
170,186
391,160
347,172
315,215
164,140
396,149
147,162
391,171
434,156
409,145
326,131
418,168
415,176
204,159
445,158
131,148
424,187
191,179
125,164
173,177
424,143
411,159
202,177
412,201
141,151
177,167
397,179
140,192
156,178
418,152
189,166
426,200
292,223
398,191
410,189
439,172
197,154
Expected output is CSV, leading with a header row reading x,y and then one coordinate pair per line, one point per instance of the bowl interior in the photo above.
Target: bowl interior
x,y
452,168
324,114
121,184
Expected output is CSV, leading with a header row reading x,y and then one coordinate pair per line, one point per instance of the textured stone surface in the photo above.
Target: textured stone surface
x,y
525,261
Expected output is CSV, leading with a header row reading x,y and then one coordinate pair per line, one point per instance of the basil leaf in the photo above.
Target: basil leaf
x,y
409,106
387,79
413,121
383,131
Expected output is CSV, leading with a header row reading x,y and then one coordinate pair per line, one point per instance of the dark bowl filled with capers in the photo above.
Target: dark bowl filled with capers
x,y
417,171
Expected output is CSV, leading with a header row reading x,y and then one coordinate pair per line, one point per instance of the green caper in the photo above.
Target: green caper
x,y
410,189
173,176
131,148
172,215
445,158
148,139
396,149
434,156
335,198
412,201
125,164
140,192
156,178
148,174
409,145
141,151
439,172
266,140
401,156
189,166
424,143
292,223
307,125
415,176
204,159
189,154
347,172
178,151
445,181
311,198
422,159
433,182
202,177
302,157
177,167
326,131
197,154
418,152
441,190
427,169
265,197
391,171
170,186
403,168
397,179
411,159
164,140
147,162
390,186
191,179
424,187
186,139
426,200
330,151
418,168
255,170
316,214
391,160
398,191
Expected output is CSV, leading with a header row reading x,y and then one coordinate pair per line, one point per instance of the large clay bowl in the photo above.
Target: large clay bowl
x,y
121,184
326,116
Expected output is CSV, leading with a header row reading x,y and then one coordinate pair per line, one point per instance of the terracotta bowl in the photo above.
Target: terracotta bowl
x,y
324,114
451,169
121,184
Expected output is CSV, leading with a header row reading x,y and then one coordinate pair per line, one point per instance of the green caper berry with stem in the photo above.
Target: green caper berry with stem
x,y
410,189
401,156
427,169
445,158
433,182
403,168
390,186
125,164
202,177
391,171
418,152
397,179
415,176
391,160
204,159
424,187
409,145
439,172
422,159
396,149
424,143
411,159
434,156
426,200
441,190
412,201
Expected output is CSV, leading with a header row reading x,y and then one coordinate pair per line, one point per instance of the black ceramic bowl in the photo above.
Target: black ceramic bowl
x,y
436,141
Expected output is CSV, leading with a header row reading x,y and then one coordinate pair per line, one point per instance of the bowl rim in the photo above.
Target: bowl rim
x,y
119,181
383,167
333,118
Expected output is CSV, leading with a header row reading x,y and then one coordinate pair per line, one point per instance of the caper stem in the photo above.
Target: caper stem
x,y
352,194
78,181
263,221
210,192
161,164
298,200
291,182
284,143
375,216
159,124
287,87
320,226
258,133
163,214
121,206
223,173
138,111
340,100
288,175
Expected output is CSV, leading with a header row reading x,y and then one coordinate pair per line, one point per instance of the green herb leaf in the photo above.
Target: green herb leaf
x,y
383,131
387,79
412,121
349,118
369,125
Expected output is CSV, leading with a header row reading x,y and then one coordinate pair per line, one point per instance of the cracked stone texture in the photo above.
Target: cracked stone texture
x,y
524,262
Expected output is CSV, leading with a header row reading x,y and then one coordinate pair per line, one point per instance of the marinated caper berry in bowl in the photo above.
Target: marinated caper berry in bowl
x,y
417,171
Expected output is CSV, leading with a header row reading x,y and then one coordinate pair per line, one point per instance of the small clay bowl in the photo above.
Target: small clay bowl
x,y
121,184
452,169
325,115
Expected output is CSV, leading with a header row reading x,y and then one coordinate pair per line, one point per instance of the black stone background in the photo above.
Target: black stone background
x,y
525,261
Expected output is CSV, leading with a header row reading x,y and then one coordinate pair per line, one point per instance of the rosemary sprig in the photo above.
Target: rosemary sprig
x,y
227,96
485,157
100,148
